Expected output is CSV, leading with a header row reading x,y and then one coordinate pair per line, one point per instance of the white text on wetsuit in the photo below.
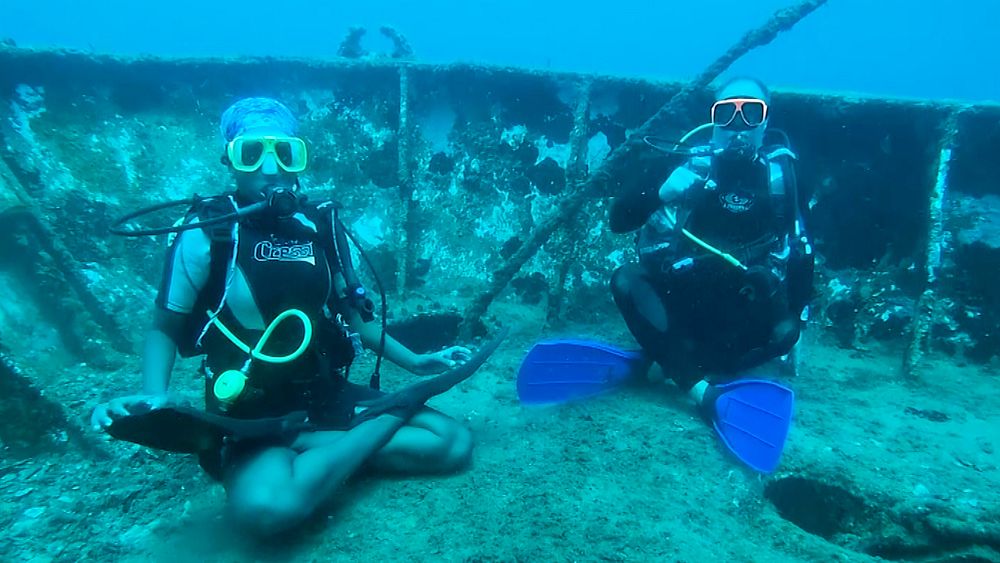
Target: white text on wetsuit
x,y
268,251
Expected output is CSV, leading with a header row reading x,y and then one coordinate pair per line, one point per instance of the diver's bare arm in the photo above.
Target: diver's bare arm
x,y
395,351
371,333
160,351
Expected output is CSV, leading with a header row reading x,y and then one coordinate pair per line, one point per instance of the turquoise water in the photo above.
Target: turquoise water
x,y
890,47
879,465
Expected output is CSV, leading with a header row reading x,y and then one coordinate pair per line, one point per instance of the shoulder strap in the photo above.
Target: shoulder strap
x,y
339,255
325,218
222,237
782,185
212,207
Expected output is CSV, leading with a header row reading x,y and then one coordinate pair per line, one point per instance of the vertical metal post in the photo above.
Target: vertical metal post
x,y
407,246
923,315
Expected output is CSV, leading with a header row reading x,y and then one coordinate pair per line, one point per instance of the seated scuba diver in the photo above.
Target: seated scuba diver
x,y
725,268
260,282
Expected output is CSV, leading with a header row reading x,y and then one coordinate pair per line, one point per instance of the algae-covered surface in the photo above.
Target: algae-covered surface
x,y
876,466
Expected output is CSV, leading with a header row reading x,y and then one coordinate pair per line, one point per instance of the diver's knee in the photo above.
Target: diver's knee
x,y
265,511
460,454
622,281
785,335
441,445
460,446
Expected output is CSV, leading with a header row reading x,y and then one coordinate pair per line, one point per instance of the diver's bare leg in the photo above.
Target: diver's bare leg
x,y
278,488
430,443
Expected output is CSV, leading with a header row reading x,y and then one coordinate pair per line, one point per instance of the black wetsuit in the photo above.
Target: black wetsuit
x,y
693,312
256,270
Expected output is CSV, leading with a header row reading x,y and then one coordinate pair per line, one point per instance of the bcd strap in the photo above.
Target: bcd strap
x,y
782,185
354,293
210,208
781,191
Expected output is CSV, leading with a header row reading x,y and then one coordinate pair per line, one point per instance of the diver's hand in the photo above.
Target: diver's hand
x,y
437,362
106,413
680,180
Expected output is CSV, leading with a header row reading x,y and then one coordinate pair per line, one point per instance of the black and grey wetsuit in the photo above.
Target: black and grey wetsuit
x,y
249,273
691,310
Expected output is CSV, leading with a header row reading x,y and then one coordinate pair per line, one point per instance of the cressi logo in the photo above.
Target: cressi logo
x,y
735,202
267,251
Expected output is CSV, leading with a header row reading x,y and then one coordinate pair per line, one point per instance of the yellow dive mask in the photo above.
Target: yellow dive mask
x,y
246,153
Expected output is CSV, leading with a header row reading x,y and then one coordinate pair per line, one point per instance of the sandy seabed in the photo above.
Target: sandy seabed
x,y
875,466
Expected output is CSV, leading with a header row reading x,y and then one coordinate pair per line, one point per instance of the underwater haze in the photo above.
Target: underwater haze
x,y
885,47
773,337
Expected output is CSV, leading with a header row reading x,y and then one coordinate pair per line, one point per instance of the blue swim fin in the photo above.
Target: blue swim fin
x,y
752,417
558,371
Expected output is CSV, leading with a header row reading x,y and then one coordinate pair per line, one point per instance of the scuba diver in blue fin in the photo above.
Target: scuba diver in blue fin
x,y
260,282
722,284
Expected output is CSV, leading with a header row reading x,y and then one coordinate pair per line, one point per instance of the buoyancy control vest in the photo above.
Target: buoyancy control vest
x,y
747,216
279,264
